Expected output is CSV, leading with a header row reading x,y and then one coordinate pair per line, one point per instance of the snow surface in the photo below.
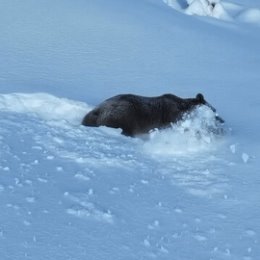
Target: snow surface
x,y
218,9
73,192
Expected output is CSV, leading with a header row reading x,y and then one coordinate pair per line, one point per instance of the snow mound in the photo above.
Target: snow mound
x,y
251,15
217,9
198,131
211,8
44,106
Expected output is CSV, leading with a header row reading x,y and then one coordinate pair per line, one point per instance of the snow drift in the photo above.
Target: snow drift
x,y
218,9
44,106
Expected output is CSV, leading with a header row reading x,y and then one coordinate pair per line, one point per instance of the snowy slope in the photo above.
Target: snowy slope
x,y
72,192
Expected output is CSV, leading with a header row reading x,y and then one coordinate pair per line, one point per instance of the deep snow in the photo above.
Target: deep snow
x,y
72,192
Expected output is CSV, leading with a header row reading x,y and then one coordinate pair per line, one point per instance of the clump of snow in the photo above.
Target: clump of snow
x,y
233,148
245,157
217,9
198,131
212,8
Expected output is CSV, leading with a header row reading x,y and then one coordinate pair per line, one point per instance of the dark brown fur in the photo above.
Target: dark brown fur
x,y
137,115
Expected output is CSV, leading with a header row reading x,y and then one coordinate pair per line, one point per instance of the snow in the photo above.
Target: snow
x,y
73,192
45,106
251,16
207,8
218,9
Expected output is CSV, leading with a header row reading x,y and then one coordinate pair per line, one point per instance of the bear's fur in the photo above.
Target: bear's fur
x,y
137,115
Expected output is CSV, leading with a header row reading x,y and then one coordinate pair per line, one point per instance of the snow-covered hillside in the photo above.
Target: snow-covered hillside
x,y
72,192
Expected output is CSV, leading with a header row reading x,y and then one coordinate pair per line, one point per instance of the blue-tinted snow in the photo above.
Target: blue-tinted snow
x,y
71,192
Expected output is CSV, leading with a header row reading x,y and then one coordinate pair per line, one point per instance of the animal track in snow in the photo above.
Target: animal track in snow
x,y
84,209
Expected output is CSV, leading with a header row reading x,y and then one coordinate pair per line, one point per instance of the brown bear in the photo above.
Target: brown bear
x,y
137,115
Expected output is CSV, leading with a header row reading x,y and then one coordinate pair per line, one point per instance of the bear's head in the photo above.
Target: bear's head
x,y
201,100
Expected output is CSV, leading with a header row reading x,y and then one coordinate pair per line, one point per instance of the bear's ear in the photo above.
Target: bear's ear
x,y
200,98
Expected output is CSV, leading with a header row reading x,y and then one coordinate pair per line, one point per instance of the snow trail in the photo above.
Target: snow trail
x,y
175,153
198,131
95,181
44,106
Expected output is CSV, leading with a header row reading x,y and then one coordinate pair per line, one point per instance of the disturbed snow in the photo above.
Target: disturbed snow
x,y
68,173
72,192
55,123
